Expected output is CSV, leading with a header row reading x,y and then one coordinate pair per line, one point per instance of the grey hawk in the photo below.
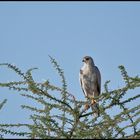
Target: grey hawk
x,y
90,80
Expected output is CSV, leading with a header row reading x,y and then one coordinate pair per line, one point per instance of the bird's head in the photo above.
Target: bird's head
x,y
88,60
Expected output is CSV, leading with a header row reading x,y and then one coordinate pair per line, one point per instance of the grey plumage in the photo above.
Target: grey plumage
x,y
90,80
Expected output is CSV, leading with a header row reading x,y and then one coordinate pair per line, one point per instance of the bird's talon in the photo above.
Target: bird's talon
x,y
86,106
93,101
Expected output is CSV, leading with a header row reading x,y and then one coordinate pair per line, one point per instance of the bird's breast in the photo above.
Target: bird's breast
x,y
88,73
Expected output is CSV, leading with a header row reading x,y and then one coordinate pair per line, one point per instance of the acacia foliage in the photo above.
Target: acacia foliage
x,y
64,116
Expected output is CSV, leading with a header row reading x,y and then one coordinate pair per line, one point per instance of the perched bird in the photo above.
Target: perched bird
x,y
90,80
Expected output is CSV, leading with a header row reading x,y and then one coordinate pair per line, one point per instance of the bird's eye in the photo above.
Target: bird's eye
x,y
87,58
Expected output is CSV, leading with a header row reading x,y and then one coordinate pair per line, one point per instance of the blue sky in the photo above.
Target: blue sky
x,y
67,31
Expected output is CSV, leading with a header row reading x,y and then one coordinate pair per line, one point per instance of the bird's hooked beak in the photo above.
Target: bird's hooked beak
x,y
83,60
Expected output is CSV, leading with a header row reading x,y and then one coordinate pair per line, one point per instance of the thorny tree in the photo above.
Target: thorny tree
x,y
63,116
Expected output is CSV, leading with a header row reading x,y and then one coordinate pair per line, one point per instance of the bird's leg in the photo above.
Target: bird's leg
x,y
87,106
93,101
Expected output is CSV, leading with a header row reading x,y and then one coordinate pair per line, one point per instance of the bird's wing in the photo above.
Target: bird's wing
x,y
98,79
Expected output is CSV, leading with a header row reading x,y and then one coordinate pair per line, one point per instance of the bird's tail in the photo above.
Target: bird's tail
x,y
95,109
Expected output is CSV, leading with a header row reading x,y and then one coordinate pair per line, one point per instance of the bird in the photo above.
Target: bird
x,y
90,81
